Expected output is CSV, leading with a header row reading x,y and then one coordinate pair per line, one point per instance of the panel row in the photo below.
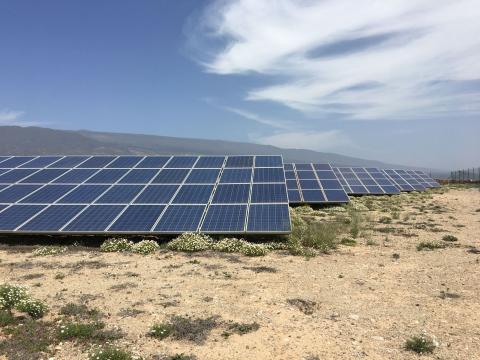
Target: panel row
x,y
362,181
313,183
153,162
258,218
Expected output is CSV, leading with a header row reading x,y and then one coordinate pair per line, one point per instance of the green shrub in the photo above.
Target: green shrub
x,y
160,331
111,353
145,247
420,344
371,242
229,245
6,318
191,242
449,238
33,307
11,295
254,250
429,245
49,250
74,330
385,220
116,245
348,242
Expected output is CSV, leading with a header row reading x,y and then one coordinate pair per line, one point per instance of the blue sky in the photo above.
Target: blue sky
x,y
398,82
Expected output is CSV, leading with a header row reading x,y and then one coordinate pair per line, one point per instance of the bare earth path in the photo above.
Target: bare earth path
x,y
358,302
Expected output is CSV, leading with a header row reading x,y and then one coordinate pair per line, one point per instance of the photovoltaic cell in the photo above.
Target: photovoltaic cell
x,y
124,162
75,176
268,175
53,218
68,162
16,192
203,176
171,176
16,215
239,161
15,175
139,218
47,194
40,162
268,218
193,194
154,162
107,176
231,194
139,176
225,218
215,162
95,218
84,194
398,180
97,162
120,194
44,176
157,194
180,218
15,161
231,176
268,161
294,196
181,162
269,193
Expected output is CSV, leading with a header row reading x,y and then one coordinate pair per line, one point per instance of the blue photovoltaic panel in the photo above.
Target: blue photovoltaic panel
x,y
398,180
225,218
95,218
47,194
269,193
84,194
215,162
125,162
231,194
153,162
100,194
139,176
41,162
120,194
268,218
15,161
157,194
288,167
354,185
232,176
203,176
433,183
411,180
68,162
16,215
268,175
239,161
180,218
97,162
268,161
16,192
419,179
314,183
137,218
181,162
193,194
294,196
53,218
15,175
387,186
44,176
75,176
171,176
107,176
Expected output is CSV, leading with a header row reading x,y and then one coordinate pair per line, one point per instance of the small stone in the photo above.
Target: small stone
x,y
378,338
354,316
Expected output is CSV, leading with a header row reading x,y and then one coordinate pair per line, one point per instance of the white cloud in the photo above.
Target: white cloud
x,y
313,140
326,51
14,117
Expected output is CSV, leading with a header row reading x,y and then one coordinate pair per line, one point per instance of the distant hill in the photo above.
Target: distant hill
x,y
15,140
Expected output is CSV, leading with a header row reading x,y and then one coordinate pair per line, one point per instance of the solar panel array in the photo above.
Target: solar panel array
x,y
403,180
151,194
364,181
424,179
313,183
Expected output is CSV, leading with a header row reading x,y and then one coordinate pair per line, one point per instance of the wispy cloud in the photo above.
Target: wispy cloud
x,y
14,117
362,60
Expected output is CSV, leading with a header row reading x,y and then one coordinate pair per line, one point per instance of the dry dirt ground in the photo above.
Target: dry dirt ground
x,y
359,302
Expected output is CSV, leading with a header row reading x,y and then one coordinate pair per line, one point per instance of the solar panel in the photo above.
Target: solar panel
x,y
365,181
152,194
313,183
411,180
432,183
398,180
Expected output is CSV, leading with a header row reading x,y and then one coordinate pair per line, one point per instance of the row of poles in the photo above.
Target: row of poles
x,y
465,175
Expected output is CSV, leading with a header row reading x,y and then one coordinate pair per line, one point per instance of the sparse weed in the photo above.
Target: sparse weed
x,y
348,242
111,353
449,238
240,329
371,242
75,330
429,245
33,307
305,306
160,331
49,250
59,276
80,311
6,318
385,220
420,344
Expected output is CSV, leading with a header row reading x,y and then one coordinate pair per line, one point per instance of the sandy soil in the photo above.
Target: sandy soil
x,y
368,301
